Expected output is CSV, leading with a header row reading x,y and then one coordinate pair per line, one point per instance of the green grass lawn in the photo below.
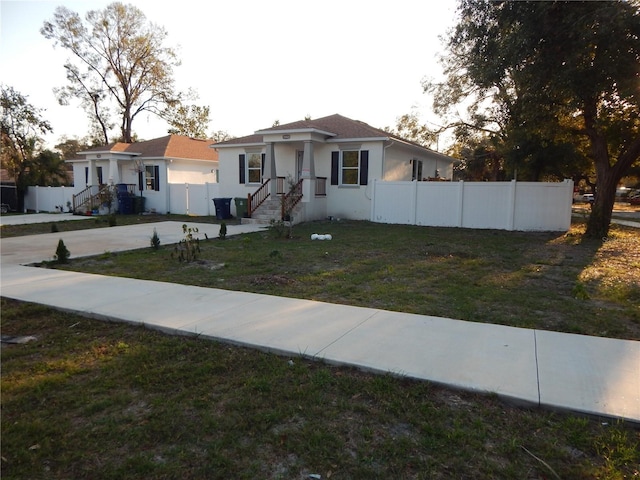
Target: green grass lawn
x,y
91,399
548,281
100,400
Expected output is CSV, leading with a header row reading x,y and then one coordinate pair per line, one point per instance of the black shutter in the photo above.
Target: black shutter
x,y
263,157
156,176
242,169
86,175
140,182
364,167
335,164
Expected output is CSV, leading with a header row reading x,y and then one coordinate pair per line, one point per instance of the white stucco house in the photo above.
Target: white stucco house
x,y
143,169
327,164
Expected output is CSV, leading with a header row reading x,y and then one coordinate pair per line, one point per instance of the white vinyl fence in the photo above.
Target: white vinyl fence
x,y
193,199
48,199
523,206
181,198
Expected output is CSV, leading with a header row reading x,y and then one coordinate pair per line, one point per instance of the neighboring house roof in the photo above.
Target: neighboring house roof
x,y
171,146
336,128
5,177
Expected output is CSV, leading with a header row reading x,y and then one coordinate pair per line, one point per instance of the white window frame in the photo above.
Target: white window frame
x,y
253,156
417,170
342,169
150,180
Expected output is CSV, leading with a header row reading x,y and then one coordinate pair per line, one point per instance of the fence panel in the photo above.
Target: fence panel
x,y
524,206
396,203
436,204
48,199
543,207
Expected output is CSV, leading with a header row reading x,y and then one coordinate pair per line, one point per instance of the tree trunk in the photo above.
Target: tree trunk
x,y
602,208
607,175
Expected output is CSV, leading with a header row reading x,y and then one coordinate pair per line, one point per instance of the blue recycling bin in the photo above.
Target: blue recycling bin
x,y
223,208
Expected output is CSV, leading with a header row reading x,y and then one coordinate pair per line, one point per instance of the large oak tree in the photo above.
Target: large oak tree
x,y
119,66
562,76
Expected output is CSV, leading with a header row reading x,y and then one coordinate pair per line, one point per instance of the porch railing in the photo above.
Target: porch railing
x,y
255,199
291,199
83,197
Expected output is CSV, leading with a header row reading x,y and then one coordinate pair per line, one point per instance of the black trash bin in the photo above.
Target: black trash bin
x,y
241,207
125,204
138,204
223,208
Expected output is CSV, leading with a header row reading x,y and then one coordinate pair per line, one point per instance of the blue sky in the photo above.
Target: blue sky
x,y
252,61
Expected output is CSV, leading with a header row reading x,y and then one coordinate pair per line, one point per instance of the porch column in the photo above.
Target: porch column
x,y
308,172
270,169
93,173
114,175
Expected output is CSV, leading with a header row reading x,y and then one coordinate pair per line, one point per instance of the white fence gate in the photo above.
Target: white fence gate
x,y
525,206
193,199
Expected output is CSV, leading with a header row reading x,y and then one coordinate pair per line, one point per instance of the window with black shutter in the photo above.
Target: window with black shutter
x,y
350,167
241,164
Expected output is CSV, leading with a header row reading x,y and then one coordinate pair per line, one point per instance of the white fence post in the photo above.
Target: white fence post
x,y
512,205
414,201
373,200
186,193
460,202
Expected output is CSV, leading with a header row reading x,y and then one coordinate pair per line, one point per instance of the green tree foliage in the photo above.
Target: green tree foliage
x,y
69,147
21,128
553,84
409,127
189,120
48,169
119,68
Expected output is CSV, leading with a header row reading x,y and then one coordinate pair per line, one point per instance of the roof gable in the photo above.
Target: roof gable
x,y
340,127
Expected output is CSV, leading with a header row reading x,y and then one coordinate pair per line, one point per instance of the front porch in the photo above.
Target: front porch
x,y
287,205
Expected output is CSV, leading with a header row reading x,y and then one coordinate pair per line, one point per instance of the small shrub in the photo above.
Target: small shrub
x,y
54,228
155,240
112,220
188,248
278,228
62,253
223,231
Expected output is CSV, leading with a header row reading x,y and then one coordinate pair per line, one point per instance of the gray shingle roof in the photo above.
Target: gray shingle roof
x,y
340,127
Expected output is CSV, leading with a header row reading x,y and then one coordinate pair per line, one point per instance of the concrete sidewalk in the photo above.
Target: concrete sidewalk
x,y
583,374
40,218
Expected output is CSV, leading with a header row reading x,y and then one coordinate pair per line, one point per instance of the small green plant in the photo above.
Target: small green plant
x,y
580,292
155,240
223,231
188,248
278,228
112,220
62,253
54,228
